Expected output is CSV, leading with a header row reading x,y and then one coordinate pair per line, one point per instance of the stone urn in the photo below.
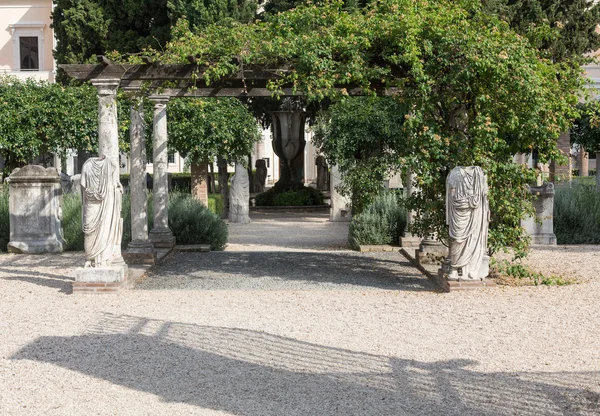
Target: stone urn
x,y
288,144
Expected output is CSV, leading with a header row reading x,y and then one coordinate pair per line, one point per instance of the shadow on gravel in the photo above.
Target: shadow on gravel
x,y
52,271
251,373
287,270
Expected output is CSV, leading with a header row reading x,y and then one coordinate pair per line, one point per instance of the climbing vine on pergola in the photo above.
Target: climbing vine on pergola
x,y
473,91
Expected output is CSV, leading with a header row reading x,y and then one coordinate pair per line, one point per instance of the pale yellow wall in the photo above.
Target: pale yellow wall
x,y
21,12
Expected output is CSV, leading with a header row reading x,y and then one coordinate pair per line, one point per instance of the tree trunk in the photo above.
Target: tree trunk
x,y
223,186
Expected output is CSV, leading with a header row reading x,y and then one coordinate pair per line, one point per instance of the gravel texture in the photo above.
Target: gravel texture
x,y
309,329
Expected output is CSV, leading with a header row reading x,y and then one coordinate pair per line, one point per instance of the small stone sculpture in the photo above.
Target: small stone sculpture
x,y
239,196
322,171
101,194
66,183
467,215
260,178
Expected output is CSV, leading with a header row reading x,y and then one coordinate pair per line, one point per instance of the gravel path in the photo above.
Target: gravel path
x,y
254,337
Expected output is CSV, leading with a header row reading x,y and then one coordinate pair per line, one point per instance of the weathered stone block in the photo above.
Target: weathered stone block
x,y
35,211
542,233
111,274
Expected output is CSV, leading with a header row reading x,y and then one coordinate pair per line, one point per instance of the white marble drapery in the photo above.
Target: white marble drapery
x,y
101,196
467,216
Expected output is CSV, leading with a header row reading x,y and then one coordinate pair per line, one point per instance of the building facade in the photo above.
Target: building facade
x,y
26,39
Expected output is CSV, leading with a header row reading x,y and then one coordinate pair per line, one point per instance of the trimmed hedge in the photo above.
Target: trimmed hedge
x,y
293,198
215,204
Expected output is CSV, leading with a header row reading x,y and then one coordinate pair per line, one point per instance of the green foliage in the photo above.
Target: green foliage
x,y
205,129
586,129
362,136
215,204
519,271
71,222
39,118
4,219
562,30
194,223
577,214
477,92
181,182
292,198
382,222
85,28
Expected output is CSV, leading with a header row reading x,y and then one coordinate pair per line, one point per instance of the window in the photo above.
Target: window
x,y
171,158
28,46
29,53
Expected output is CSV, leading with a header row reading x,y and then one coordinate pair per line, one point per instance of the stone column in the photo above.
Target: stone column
x,y
409,240
140,250
160,235
108,127
584,162
108,132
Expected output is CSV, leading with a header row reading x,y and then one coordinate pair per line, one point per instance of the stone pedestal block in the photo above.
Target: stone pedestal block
x,y
340,205
410,241
140,252
542,233
100,279
35,211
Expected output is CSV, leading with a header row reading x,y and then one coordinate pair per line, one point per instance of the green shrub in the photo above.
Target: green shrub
x,y
181,182
4,219
215,204
124,179
71,221
382,222
577,214
194,223
293,198
190,221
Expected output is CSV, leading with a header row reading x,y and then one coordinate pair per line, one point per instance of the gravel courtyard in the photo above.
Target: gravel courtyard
x,y
288,322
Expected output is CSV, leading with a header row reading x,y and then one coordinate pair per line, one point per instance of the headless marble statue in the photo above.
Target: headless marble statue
x,y
260,179
101,194
467,216
239,196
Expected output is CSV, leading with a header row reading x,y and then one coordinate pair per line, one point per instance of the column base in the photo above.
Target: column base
x,y
100,279
410,241
431,252
140,252
548,239
162,238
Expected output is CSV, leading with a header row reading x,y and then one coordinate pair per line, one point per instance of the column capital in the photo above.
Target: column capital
x,y
106,86
159,99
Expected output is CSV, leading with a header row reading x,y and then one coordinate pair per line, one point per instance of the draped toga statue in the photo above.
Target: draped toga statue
x,y
467,215
239,196
260,179
322,170
101,194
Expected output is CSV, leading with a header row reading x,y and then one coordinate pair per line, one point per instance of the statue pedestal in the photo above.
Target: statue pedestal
x,y
410,241
100,279
140,252
452,285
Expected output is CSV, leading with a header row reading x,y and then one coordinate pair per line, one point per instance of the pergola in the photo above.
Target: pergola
x,y
161,82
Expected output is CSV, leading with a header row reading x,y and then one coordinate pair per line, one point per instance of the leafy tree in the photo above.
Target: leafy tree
x,y
202,129
476,91
562,29
38,118
362,136
86,28
586,131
